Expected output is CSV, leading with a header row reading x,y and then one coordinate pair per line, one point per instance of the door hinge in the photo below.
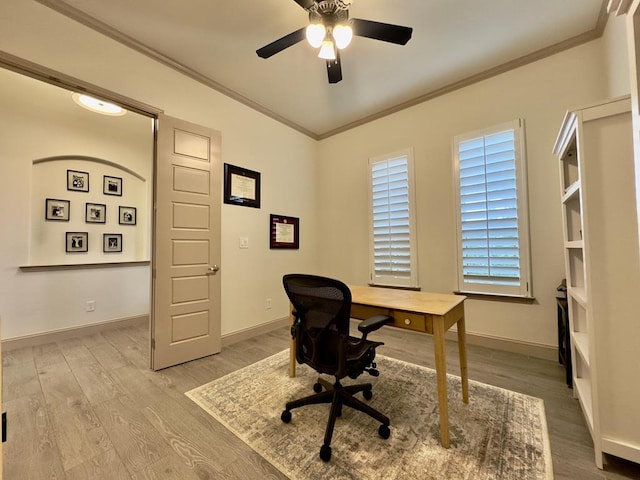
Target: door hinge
x,y
4,427
153,344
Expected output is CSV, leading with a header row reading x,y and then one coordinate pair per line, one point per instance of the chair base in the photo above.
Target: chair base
x,y
338,395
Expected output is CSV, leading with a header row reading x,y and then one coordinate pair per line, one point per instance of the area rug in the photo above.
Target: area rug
x,y
500,434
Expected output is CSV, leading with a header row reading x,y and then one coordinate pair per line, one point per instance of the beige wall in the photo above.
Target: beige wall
x,y
285,158
614,45
539,93
325,183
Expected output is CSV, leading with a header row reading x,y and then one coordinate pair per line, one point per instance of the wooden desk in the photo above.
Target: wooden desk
x,y
432,313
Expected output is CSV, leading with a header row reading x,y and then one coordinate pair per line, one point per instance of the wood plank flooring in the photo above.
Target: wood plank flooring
x,y
89,408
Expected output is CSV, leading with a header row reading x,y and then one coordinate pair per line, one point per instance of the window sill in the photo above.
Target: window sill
x,y
495,296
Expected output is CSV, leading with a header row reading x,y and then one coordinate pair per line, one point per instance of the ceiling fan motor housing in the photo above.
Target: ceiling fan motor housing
x,y
330,12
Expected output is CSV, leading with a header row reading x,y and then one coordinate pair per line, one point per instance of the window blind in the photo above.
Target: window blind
x,y
489,209
391,218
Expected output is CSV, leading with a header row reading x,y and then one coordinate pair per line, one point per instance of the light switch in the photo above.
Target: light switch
x,y
244,242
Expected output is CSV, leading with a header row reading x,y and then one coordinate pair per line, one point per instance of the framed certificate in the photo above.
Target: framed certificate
x,y
241,186
285,232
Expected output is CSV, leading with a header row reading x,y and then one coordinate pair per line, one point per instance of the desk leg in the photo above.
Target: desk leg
x,y
462,350
292,347
441,374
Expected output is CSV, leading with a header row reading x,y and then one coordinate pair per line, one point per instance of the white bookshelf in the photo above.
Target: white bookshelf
x,y
602,267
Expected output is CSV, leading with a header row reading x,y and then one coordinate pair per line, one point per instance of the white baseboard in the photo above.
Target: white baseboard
x,y
71,332
536,350
238,336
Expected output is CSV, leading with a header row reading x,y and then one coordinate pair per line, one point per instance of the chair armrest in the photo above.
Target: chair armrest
x,y
374,323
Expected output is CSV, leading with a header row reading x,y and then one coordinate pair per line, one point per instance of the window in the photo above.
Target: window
x,y
492,211
392,227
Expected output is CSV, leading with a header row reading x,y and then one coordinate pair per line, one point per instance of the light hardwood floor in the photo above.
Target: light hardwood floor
x,y
89,408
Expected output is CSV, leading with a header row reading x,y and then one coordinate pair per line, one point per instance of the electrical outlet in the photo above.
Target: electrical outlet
x,y
91,306
268,303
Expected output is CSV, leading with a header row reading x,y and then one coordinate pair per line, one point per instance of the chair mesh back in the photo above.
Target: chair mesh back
x,y
323,306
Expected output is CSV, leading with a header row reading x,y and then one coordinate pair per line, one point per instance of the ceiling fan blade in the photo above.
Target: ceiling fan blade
x,y
334,70
306,4
281,44
381,31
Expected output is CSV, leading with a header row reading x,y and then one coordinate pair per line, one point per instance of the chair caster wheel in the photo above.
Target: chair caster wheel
x,y
286,416
384,431
325,453
367,394
317,387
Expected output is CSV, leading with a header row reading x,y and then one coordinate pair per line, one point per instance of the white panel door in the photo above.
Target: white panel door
x,y
185,316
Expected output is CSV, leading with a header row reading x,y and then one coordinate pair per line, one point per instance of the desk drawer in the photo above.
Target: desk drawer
x,y
362,312
410,321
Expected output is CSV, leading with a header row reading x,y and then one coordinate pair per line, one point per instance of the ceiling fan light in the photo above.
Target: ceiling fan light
x,y
342,34
315,34
328,50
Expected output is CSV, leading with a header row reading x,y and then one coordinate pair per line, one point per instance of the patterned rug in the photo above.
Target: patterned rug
x,y
500,434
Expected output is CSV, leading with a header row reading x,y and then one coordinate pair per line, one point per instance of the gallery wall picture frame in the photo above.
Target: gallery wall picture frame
x,y
241,186
112,185
77,181
284,232
112,243
127,215
57,210
77,242
95,213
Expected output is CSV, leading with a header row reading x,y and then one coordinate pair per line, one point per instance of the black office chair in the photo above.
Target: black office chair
x,y
321,308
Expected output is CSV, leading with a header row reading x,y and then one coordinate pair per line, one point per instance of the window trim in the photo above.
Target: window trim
x,y
525,289
387,280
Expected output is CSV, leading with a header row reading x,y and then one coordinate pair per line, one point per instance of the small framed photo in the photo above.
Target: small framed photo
x,y
241,186
127,215
95,213
112,185
112,242
77,181
284,232
57,209
77,242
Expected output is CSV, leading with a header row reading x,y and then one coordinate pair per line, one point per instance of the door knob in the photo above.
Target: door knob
x,y
212,270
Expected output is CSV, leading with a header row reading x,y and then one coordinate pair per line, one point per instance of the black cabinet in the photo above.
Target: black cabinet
x,y
564,339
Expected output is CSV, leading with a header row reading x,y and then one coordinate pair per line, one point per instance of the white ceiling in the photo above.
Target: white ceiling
x,y
454,42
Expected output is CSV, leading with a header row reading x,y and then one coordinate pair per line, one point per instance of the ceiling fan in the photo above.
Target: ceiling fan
x,y
331,30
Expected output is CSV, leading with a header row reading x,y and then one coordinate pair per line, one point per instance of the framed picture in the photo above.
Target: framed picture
x,y
284,232
57,209
77,242
241,186
112,242
95,213
127,215
77,181
112,185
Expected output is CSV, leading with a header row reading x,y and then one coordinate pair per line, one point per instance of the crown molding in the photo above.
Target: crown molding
x,y
101,27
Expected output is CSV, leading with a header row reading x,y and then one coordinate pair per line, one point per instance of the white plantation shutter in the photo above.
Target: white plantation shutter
x,y
493,251
392,232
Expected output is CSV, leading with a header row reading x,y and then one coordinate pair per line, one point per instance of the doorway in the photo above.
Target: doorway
x,y
78,288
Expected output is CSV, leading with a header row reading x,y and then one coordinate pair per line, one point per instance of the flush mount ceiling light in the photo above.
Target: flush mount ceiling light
x,y
98,106
331,30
